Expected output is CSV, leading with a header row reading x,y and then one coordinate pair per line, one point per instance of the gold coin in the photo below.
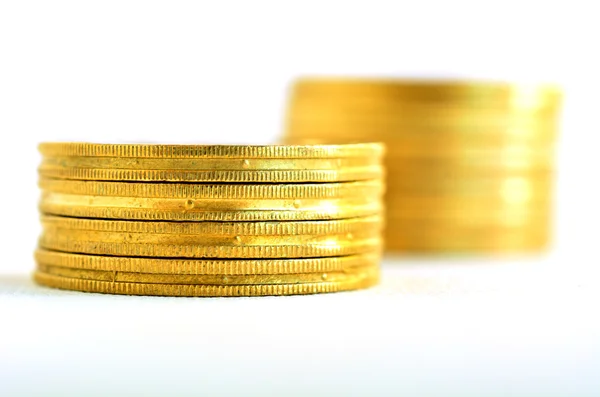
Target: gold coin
x,y
365,280
204,279
212,239
512,188
465,247
500,214
463,138
468,210
402,117
453,228
209,164
118,200
331,122
213,229
214,191
421,138
435,171
232,176
453,222
491,239
501,158
415,143
207,267
80,149
207,210
464,205
315,111
475,94
123,244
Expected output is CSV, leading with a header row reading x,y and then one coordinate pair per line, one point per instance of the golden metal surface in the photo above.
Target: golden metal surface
x,y
434,173
479,239
216,229
537,166
369,278
81,149
415,142
458,224
454,152
273,220
463,123
485,210
221,267
208,209
217,202
205,279
214,191
401,114
232,176
520,188
456,93
210,164
466,163
216,247
211,239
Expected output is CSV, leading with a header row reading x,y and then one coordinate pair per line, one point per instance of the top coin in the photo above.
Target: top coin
x,y
81,149
470,93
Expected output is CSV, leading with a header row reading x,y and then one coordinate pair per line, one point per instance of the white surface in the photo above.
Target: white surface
x,y
515,327
217,72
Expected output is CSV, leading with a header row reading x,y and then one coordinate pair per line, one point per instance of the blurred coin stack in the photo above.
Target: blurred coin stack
x,y
469,165
209,220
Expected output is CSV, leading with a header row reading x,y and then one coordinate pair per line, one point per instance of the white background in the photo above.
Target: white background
x,y
217,72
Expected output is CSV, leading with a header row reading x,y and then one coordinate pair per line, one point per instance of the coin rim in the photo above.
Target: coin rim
x,y
229,176
259,228
217,191
73,149
305,250
206,266
200,290
206,279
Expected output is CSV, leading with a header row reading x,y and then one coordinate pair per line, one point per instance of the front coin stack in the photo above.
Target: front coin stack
x,y
210,220
469,165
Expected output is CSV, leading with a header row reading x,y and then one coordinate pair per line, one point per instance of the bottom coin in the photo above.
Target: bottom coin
x,y
364,279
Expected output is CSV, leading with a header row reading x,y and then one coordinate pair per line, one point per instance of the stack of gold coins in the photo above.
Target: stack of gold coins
x,y
469,165
210,220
